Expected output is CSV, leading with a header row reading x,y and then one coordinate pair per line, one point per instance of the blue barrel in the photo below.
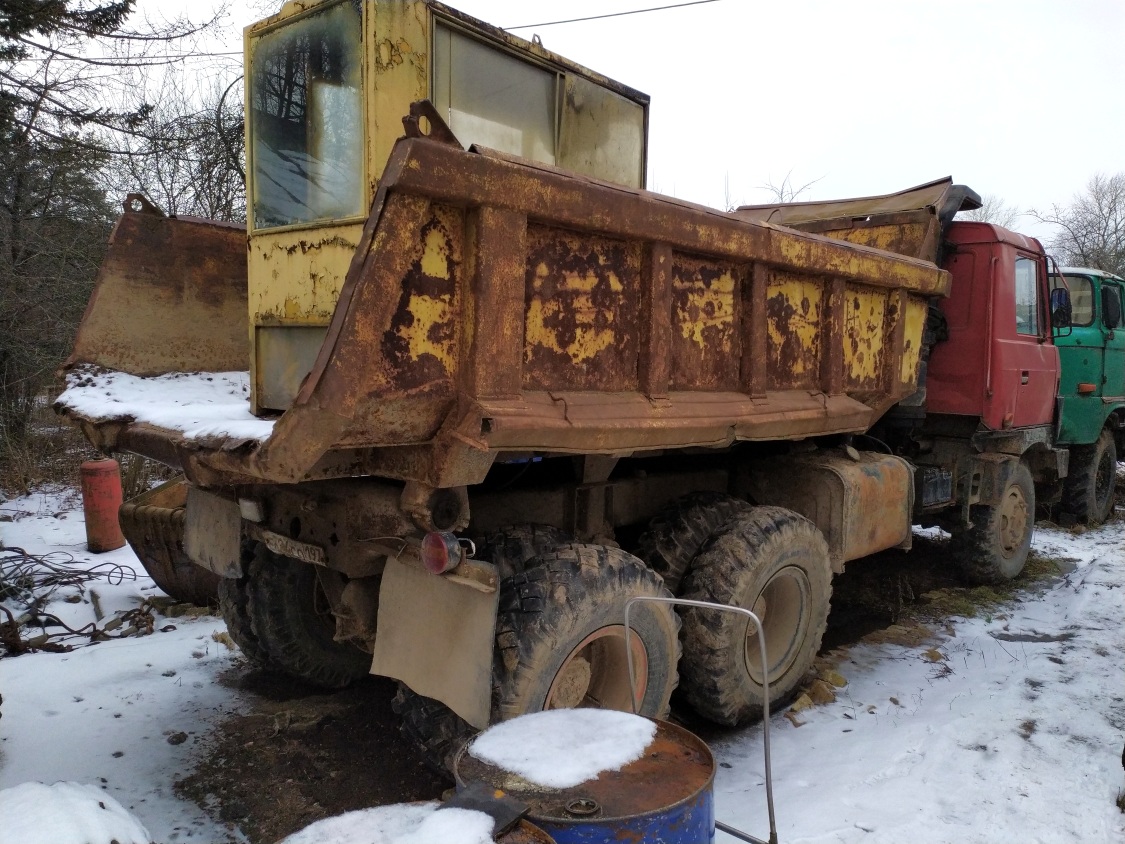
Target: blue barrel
x,y
665,797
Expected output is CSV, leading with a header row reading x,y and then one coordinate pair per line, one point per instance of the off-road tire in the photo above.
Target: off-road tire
x,y
512,548
560,598
573,595
1088,491
771,554
677,534
994,550
294,632
234,607
436,731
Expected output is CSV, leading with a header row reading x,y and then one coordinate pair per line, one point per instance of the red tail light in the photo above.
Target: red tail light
x,y
440,552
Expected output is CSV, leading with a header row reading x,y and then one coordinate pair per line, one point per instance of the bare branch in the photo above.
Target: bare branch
x,y
786,192
993,209
1091,228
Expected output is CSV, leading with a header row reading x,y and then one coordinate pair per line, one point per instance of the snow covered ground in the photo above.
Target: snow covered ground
x,y
125,715
1009,729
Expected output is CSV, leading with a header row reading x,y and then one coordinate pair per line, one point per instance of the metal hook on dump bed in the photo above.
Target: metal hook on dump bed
x,y
707,605
138,203
438,129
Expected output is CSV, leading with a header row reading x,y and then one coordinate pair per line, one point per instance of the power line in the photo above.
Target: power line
x,y
613,14
208,54
137,59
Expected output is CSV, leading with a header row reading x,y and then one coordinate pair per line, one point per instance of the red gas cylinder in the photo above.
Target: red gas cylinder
x,y
101,499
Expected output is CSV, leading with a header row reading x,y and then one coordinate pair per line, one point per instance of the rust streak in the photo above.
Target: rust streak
x,y
755,339
832,352
656,331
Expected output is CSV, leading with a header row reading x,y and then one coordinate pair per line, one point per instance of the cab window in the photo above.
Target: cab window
x,y
305,112
1027,298
1111,305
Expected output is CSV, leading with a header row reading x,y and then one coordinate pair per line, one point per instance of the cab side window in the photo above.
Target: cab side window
x,y
1027,297
1111,306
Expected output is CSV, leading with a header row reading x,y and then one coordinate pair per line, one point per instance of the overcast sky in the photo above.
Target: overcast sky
x,y
1024,99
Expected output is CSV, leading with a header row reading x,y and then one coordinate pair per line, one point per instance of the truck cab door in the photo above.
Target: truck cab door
x,y
1027,363
1113,367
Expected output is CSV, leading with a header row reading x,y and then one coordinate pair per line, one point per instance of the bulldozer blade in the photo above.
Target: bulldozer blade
x,y
170,296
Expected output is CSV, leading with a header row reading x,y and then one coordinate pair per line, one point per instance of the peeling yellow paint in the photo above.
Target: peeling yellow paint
x,y
864,329
588,338
296,276
707,306
429,312
803,299
903,238
435,254
915,319
544,312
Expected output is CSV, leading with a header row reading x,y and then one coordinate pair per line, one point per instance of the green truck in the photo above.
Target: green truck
x,y
1091,395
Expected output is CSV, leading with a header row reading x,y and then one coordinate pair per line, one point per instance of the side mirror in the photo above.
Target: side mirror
x,y
1060,308
1111,308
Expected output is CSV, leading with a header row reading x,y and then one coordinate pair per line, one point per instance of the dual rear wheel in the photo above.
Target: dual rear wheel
x,y
560,638
769,560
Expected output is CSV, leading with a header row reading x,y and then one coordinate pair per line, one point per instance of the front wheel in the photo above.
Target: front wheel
x,y
1089,486
775,563
994,550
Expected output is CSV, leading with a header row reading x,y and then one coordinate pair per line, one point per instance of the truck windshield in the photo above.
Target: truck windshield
x,y
306,133
1081,298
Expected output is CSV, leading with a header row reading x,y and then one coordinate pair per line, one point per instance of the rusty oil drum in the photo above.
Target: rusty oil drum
x,y
665,796
525,833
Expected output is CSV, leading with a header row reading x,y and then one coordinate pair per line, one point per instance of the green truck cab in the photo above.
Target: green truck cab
x,y
1091,413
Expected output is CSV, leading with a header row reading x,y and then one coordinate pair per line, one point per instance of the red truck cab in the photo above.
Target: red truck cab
x,y
998,363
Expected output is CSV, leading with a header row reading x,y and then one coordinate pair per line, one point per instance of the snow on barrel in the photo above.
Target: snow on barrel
x,y
413,823
595,775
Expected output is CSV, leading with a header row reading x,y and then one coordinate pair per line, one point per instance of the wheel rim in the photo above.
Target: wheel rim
x,y
596,673
783,609
1103,482
1013,520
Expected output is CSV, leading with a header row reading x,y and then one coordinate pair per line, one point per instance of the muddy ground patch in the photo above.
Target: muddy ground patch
x,y
299,755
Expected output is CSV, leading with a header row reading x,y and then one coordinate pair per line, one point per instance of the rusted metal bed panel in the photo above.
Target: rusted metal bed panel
x,y
496,304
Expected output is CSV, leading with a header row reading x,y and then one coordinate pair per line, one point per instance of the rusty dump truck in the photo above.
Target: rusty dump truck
x,y
459,390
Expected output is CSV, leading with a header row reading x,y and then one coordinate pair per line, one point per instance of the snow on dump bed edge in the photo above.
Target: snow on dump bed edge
x,y
199,405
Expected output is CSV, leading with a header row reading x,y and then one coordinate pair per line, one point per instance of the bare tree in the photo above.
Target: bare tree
x,y
1091,228
787,191
993,209
64,109
189,156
